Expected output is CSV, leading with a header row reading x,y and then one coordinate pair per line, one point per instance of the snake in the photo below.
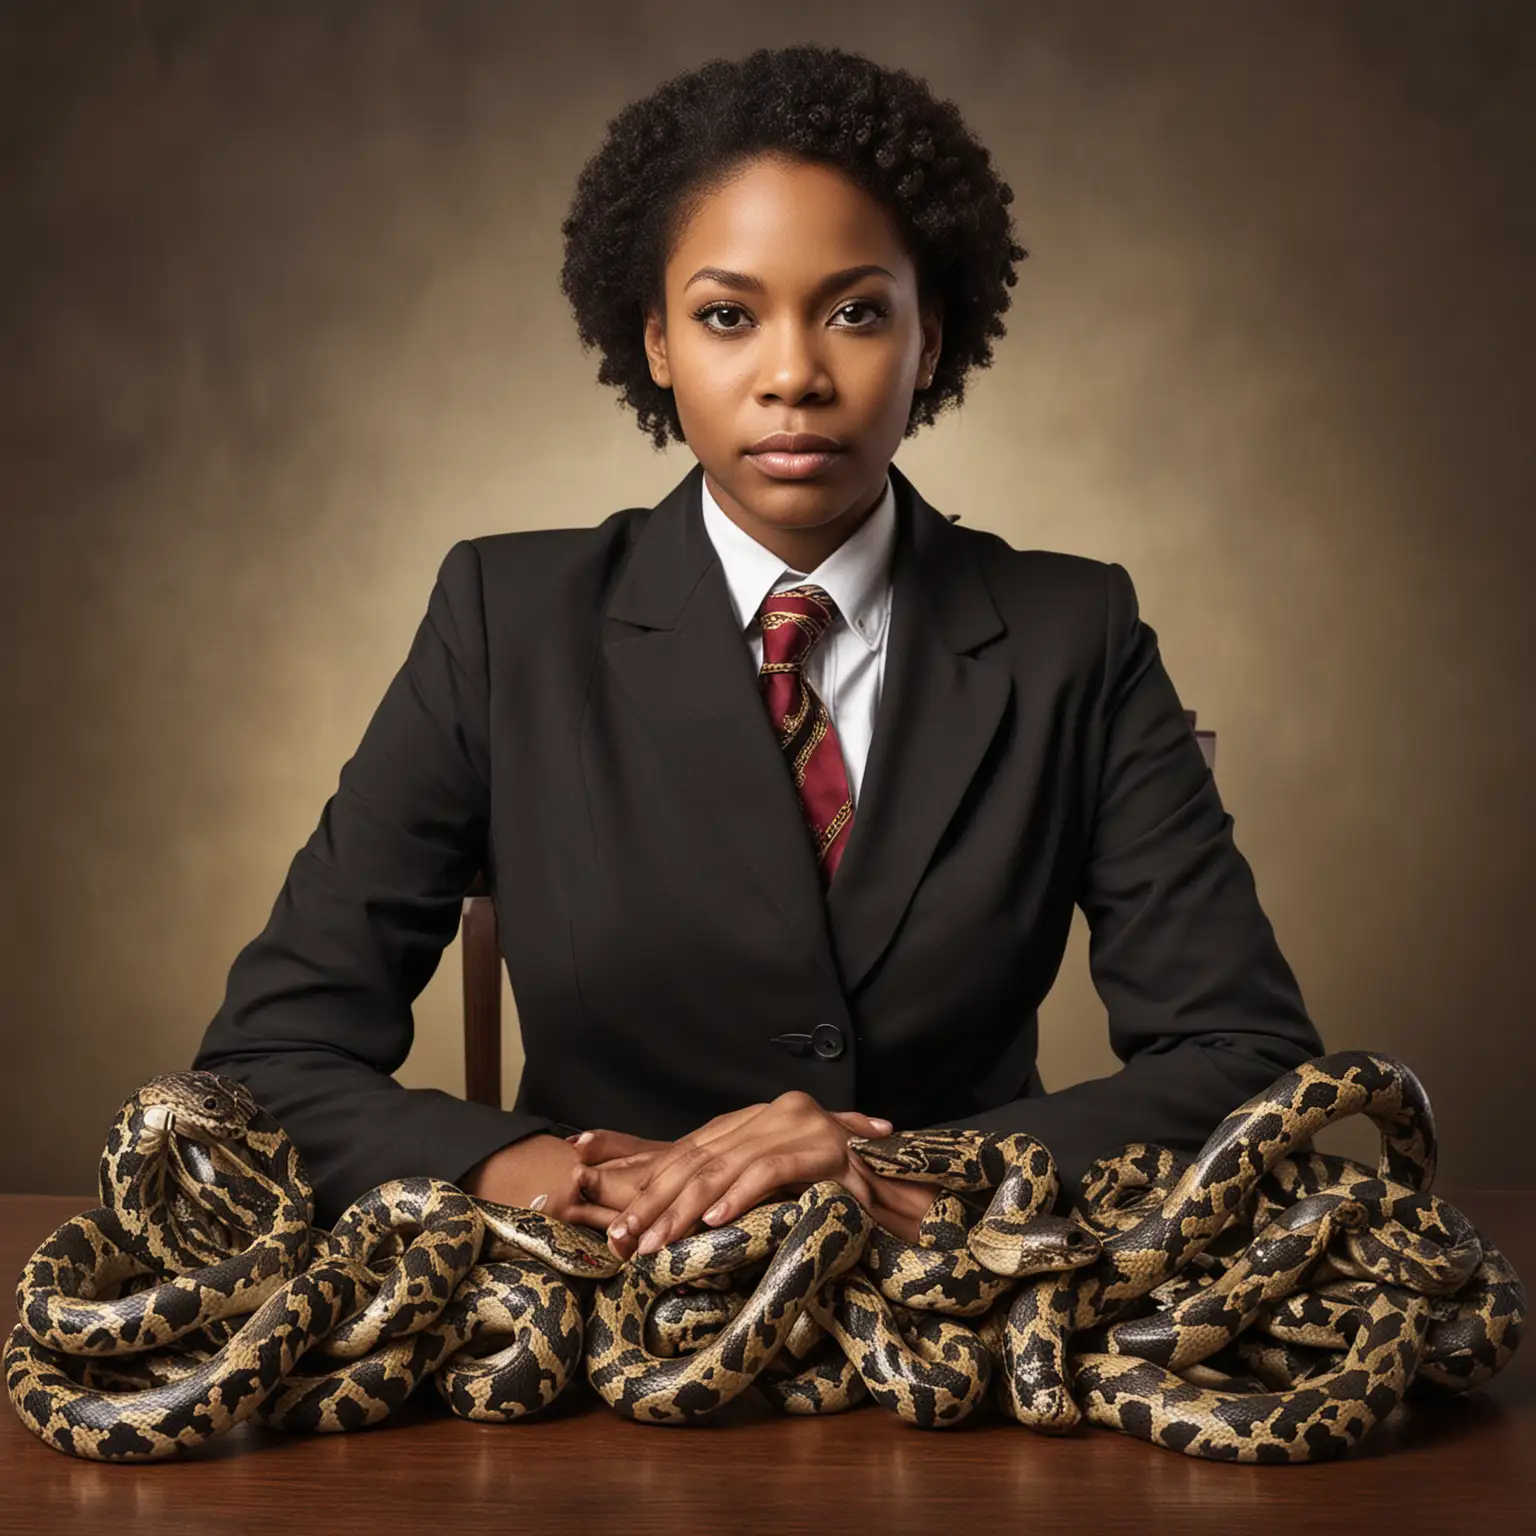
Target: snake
x,y
1257,1301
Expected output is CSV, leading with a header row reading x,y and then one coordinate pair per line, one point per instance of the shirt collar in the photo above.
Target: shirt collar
x,y
856,575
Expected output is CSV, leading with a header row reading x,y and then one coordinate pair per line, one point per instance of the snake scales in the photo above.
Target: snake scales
x,y
1260,1302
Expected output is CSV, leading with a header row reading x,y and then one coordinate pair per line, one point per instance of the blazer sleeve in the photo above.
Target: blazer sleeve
x,y
1204,1011
317,1010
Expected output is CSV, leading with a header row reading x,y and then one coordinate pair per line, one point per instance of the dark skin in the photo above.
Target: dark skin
x,y
794,355
820,329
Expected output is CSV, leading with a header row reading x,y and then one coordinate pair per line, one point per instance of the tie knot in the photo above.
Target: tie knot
x,y
793,621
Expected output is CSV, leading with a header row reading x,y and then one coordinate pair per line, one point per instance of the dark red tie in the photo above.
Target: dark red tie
x,y
793,621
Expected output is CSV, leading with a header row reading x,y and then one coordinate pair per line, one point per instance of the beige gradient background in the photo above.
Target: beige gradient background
x,y
283,323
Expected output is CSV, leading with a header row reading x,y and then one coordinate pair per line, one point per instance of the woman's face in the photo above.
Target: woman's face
x,y
792,306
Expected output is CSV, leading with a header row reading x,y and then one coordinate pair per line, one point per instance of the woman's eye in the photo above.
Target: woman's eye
x,y
712,309
875,310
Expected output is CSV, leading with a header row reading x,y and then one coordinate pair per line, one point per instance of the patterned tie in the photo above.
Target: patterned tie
x,y
793,621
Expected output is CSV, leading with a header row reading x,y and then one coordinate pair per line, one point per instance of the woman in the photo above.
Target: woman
x,y
786,786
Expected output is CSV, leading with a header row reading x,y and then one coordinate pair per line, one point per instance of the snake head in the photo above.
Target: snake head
x,y
1043,1242
201,1105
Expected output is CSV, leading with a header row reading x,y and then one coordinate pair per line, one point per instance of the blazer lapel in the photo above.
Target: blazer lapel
x,y
674,643
939,709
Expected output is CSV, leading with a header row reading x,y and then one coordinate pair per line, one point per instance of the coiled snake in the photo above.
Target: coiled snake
x,y
1259,1302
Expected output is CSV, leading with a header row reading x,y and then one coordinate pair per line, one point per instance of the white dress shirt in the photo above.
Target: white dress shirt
x,y
846,666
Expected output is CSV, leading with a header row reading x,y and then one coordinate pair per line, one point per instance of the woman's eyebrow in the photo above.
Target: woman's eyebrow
x,y
750,284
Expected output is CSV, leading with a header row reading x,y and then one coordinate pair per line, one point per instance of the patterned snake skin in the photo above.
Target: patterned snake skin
x,y
1261,1302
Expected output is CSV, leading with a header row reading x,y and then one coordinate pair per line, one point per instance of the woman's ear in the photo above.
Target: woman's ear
x,y
933,343
656,349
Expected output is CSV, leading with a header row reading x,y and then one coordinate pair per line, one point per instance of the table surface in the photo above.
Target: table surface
x,y
1465,1463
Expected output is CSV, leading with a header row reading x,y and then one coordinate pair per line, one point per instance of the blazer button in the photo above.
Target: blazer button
x,y
827,1041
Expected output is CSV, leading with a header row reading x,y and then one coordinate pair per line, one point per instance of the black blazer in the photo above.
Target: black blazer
x,y
578,715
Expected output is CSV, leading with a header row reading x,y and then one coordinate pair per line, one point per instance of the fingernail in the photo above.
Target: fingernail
x,y
617,1230
650,1242
537,1203
715,1212
584,1138
883,1126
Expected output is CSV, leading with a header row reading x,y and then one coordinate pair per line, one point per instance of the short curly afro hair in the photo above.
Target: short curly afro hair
x,y
882,127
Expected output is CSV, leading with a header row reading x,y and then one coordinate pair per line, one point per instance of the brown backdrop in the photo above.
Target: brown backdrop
x,y
283,323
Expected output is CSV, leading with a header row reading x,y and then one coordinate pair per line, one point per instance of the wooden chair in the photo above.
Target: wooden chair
x,y
482,976
482,996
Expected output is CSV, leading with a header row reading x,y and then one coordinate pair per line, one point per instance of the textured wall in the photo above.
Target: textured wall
x,y
283,324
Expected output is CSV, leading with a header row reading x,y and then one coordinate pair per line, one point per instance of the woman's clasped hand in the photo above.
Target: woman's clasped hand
x,y
663,1189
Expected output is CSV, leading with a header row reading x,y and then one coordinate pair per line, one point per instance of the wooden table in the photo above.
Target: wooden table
x,y
1462,1465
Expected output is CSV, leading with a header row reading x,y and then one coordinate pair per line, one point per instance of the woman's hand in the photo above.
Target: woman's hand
x,y
613,1150
612,1165
615,1162
537,1173
728,1166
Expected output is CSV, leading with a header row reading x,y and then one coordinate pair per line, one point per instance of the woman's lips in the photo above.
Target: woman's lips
x,y
793,466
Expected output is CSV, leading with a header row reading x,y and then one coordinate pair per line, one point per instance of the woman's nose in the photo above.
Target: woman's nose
x,y
791,367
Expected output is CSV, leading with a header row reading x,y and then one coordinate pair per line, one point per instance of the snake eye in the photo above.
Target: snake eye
x,y
210,1104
